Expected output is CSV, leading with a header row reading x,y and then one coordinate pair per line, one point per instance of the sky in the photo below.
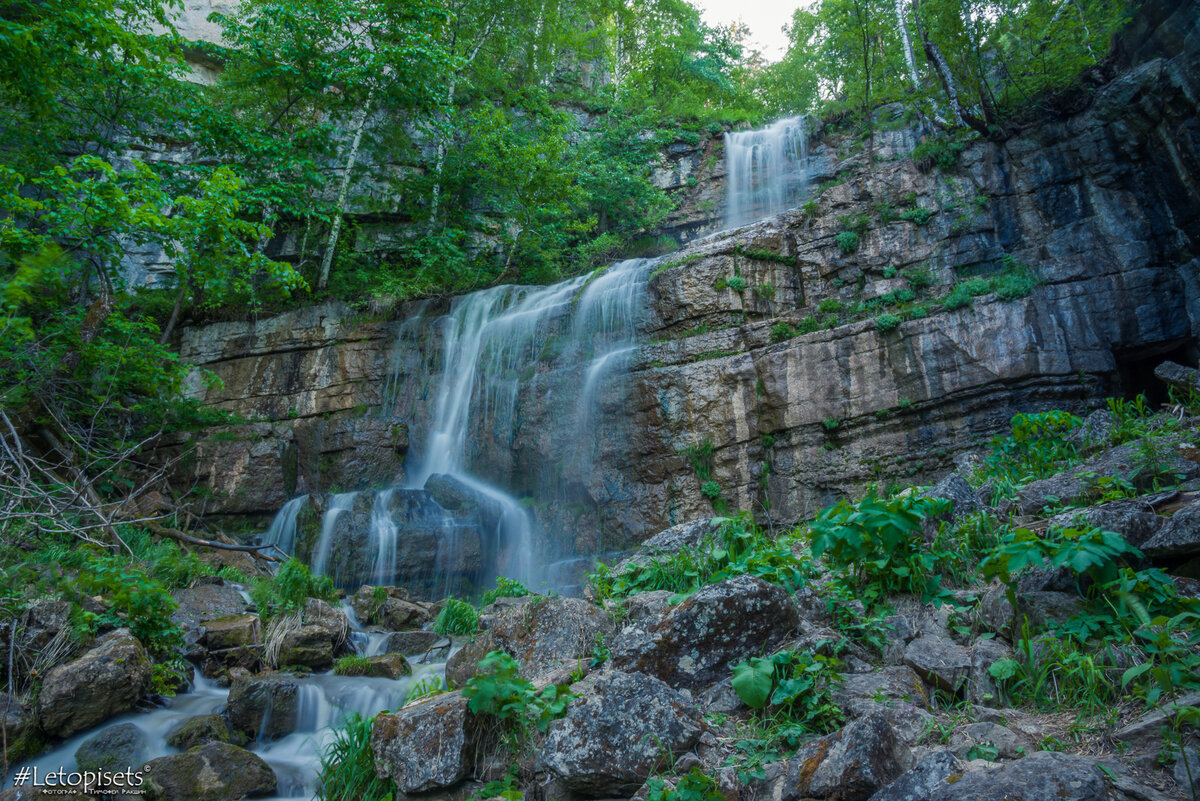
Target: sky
x,y
766,19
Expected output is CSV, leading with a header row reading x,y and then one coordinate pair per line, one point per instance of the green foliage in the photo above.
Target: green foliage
x,y
352,665
1037,447
886,322
880,541
799,682
765,291
499,691
456,617
287,591
830,306
134,600
347,771
917,215
695,785
739,547
1088,551
847,241
426,688
736,283
919,278
700,456
831,423
505,588
938,151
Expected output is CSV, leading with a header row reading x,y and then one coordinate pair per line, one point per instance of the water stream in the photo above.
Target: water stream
x,y
767,170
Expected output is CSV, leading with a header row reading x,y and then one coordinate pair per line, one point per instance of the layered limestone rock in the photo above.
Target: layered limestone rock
x,y
1100,205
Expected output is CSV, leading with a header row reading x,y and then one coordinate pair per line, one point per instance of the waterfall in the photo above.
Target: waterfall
x,y
509,354
766,169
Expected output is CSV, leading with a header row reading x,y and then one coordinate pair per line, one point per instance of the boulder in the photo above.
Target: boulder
x,y
1146,731
198,731
113,749
41,622
672,540
427,745
209,772
1095,431
321,634
108,679
849,765
644,604
389,608
928,776
1044,776
1006,741
204,602
1046,608
942,663
981,688
892,685
963,502
263,707
385,666
615,736
411,642
541,633
231,641
1132,518
691,645
1179,536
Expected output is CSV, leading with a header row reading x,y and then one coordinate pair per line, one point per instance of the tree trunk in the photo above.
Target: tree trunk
x,y
360,122
179,296
949,85
906,39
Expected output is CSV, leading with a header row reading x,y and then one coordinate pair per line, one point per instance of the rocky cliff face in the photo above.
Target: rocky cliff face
x,y
781,392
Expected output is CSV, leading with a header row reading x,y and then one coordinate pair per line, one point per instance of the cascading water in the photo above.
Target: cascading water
x,y
767,170
455,519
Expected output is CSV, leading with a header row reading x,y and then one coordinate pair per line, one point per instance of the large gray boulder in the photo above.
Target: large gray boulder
x,y
1179,536
1132,518
108,679
263,707
1044,776
615,736
209,772
113,749
691,645
941,662
199,730
197,605
320,636
541,633
427,745
389,608
928,776
848,765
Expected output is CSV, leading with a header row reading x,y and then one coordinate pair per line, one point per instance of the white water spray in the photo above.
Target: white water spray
x,y
767,170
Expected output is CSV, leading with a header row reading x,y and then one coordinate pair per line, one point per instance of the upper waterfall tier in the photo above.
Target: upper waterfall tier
x,y
767,170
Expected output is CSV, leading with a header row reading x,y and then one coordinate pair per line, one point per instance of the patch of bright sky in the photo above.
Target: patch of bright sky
x,y
765,19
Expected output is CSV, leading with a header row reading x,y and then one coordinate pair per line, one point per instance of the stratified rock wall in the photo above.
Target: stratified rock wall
x,y
1099,200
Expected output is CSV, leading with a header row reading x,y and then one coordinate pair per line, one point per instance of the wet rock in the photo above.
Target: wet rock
x,y
940,662
108,679
1178,376
389,608
411,642
1187,771
427,745
20,729
209,772
200,730
41,623
386,666
612,738
691,645
263,707
1179,536
202,603
849,765
232,641
928,776
321,634
113,749
541,633
961,495
1095,431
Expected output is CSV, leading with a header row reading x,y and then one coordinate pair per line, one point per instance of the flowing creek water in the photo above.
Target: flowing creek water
x,y
493,342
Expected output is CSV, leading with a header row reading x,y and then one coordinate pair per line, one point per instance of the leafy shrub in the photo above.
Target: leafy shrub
x,y
918,215
830,306
847,241
347,770
919,278
694,785
711,490
700,456
498,691
505,588
809,210
456,617
766,291
898,296
958,298
940,151
880,540
1037,447
886,322
135,600
783,331
1088,552
831,423
1012,286
288,590
889,272
736,283
799,683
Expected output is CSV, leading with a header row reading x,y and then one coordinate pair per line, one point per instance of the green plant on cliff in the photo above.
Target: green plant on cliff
x,y
1037,447
695,785
505,588
347,770
289,589
847,241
